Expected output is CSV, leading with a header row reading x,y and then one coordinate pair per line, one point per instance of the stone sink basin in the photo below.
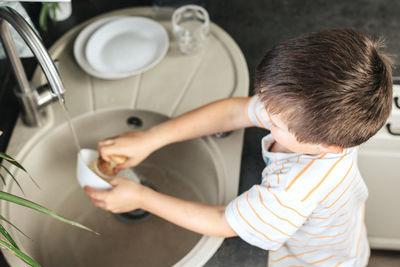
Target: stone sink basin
x,y
193,170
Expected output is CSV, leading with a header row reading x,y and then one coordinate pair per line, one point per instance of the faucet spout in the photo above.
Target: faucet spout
x,y
31,100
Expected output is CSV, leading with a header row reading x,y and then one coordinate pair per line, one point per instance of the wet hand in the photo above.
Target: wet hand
x,y
135,145
123,197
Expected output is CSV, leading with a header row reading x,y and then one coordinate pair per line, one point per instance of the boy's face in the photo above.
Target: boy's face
x,y
282,135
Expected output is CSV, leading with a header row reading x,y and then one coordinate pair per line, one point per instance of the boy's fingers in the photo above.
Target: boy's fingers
x,y
97,203
106,142
95,193
115,181
103,152
126,164
103,147
107,151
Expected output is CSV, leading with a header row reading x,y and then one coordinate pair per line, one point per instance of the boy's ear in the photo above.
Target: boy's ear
x,y
336,149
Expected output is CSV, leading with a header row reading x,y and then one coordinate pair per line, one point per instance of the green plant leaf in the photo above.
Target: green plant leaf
x,y
8,236
12,176
43,16
12,161
32,205
18,253
2,178
54,6
10,223
5,156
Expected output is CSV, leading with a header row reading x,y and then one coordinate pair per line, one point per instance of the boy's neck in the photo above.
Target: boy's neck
x,y
278,148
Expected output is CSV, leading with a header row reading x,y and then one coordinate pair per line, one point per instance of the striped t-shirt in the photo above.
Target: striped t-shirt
x,y
308,209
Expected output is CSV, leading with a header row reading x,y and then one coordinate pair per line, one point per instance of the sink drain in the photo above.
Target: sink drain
x,y
134,122
135,216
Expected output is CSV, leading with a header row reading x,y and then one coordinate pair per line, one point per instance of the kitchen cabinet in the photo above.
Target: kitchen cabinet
x,y
379,162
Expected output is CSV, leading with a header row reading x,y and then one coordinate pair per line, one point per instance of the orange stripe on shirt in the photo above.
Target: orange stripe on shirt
x,y
319,261
344,213
283,205
248,115
359,190
259,217
365,250
252,227
346,238
333,236
361,231
344,204
352,162
303,170
262,202
294,255
323,179
336,225
258,119
321,245
333,213
327,236
341,193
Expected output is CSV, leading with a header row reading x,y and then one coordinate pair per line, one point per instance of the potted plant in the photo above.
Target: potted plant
x,y
6,240
57,11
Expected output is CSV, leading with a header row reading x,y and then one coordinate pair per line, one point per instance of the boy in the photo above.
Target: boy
x,y
321,95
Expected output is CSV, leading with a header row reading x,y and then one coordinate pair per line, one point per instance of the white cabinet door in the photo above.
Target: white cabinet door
x,y
379,162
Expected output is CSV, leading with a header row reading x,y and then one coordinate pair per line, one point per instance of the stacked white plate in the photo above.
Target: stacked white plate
x,y
120,46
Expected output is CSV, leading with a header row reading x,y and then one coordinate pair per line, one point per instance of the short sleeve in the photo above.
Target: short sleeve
x,y
254,108
267,217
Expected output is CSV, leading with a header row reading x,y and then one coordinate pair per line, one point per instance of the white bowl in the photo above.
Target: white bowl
x,y
86,177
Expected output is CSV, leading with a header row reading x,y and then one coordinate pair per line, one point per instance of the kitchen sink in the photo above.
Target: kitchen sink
x,y
190,170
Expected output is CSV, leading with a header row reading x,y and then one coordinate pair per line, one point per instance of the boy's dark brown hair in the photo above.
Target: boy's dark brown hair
x,y
331,87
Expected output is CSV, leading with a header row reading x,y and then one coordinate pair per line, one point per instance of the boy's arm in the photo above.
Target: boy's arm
x,y
195,216
220,116
127,195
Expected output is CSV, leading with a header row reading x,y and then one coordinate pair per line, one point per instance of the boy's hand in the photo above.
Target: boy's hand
x,y
128,195
123,197
136,146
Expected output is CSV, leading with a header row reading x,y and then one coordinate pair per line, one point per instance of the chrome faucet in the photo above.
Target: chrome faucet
x,y
32,100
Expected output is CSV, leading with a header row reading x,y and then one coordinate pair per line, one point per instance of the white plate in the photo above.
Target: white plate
x,y
80,46
127,46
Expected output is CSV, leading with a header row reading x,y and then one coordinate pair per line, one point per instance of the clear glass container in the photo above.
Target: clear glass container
x,y
191,28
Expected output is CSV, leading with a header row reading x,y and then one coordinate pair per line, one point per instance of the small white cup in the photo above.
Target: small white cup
x,y
86,177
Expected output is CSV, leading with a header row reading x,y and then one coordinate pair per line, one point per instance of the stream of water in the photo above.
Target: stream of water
x,y
71,126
